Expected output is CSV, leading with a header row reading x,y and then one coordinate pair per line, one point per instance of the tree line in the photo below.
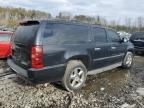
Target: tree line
x,y
129,24
10,17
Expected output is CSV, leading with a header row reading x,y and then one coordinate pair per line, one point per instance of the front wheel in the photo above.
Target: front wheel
x,y
128,60
75,75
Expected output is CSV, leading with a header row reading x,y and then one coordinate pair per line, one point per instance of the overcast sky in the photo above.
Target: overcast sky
x,y
111,9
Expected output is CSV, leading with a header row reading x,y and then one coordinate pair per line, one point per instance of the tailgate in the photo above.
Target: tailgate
x,y
21,55
24,38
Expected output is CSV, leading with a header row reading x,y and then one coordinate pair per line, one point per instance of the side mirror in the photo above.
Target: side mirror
x,y
124,40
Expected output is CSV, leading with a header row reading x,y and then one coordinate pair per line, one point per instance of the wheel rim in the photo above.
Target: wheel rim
x,y
129,60
77,77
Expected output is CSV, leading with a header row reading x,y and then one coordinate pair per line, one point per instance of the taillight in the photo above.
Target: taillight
x,y
37,57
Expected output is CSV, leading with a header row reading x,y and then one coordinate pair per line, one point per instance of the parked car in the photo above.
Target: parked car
x,y
49,50
5,43
137,39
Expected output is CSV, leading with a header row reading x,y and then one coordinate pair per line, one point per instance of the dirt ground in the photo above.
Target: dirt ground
x,y
118,88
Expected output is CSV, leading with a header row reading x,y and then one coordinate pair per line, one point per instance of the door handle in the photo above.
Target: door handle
x,y
97,49
113,48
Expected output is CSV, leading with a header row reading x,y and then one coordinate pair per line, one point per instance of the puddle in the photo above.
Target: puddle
x,y
108,82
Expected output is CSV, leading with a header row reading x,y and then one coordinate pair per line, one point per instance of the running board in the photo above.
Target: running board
x,y
100,70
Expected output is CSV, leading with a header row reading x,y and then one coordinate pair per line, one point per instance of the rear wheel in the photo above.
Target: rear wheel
x,y
75,75
128,60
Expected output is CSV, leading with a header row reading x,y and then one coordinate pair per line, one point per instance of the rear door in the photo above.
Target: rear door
x,y
118,48
24,39
5,45
101,49
63,40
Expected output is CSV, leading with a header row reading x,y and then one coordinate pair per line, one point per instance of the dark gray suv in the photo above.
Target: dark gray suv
x,y
137,39
49,50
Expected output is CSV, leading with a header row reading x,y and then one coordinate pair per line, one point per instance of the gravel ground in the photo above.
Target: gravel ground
x,y
118,88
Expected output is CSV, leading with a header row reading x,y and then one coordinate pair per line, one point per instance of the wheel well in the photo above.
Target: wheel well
x,y
84,59
132,51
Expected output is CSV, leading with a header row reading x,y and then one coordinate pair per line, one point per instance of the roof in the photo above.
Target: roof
x,y
6,32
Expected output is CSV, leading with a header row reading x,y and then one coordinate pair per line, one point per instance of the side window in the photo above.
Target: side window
x,y
113,36
65,34
5,37
48,35
99,35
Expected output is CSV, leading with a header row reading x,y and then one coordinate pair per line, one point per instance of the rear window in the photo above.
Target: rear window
x,y
5,37
65,34
26,33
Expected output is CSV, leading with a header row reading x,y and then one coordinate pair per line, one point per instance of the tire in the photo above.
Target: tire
x,y
128,60
75,76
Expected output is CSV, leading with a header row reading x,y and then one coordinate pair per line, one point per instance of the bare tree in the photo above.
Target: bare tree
x,y
140,23
64,15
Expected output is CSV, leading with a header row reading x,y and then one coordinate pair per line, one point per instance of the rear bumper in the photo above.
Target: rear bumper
x,y
51,74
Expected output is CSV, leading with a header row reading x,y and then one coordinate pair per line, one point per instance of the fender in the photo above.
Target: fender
x,y
130,47
79,55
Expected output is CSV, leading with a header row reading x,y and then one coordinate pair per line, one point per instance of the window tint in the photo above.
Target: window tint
x,y
113,36
25,33
99,35
65,34
5,37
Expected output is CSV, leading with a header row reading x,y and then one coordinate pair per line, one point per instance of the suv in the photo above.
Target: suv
x,y
5,43
67,51
138,40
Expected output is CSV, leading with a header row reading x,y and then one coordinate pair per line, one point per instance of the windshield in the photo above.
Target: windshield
x,y
139,35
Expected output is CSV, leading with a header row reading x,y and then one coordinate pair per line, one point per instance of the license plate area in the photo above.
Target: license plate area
x,y
17,54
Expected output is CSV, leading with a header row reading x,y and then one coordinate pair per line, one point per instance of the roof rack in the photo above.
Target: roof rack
x,y
73,21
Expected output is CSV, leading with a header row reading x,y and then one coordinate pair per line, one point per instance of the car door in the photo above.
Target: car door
x,y
101,50
118,48
4,45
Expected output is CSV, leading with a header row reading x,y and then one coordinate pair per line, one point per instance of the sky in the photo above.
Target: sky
x,y
110,9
